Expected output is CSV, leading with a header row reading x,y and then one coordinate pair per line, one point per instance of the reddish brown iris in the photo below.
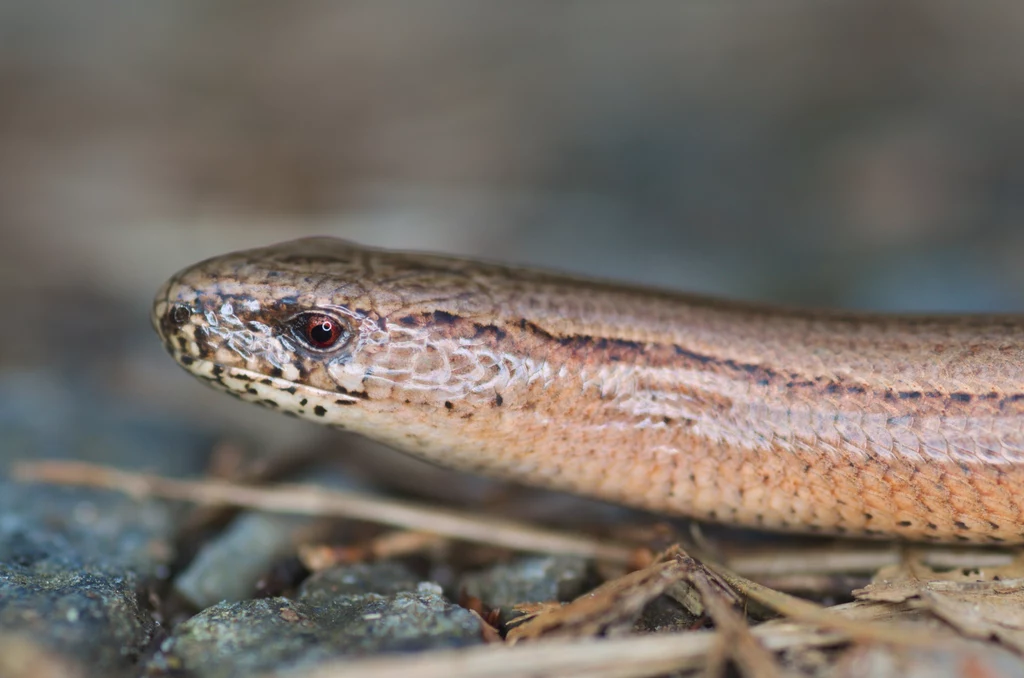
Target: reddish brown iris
x,y
319,331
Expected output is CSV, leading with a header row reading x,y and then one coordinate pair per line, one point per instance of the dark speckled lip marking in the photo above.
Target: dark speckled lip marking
x,y
362,395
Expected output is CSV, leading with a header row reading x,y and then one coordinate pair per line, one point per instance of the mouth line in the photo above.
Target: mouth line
x,y
258,386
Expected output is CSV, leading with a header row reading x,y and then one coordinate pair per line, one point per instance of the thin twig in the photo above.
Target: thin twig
x,y
630,657
753,659
312,500
800,610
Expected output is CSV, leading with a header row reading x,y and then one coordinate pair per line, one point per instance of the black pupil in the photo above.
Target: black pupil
x,y
322,332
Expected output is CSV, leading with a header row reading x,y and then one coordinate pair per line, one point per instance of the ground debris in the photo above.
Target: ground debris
x,y
863,608
979,603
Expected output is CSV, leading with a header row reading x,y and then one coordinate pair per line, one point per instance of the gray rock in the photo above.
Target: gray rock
x,y
383,578
528,580
89,617
42,417
275,634
229,566
72,559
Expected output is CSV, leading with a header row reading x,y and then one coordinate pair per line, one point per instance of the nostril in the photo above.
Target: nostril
x,y
179,314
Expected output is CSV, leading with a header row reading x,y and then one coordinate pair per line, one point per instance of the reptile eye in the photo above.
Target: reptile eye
x,y
319,330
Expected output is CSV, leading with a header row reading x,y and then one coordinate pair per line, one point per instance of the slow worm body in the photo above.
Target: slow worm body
x,y
840,423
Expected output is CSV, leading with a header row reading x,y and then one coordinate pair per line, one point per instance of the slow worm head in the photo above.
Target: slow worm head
x,y
842,423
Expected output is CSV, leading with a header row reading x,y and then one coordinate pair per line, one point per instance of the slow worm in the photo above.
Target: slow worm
x,y
817,421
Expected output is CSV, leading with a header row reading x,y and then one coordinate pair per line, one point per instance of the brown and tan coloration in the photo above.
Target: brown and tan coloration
x,y
846,423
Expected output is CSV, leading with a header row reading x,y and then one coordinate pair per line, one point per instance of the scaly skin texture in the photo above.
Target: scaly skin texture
x,y
842,423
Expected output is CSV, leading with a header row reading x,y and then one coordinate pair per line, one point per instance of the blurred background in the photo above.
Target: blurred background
x,y
851,153
865,154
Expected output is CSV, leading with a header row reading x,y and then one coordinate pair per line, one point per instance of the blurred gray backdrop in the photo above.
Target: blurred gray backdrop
x,y
859,153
